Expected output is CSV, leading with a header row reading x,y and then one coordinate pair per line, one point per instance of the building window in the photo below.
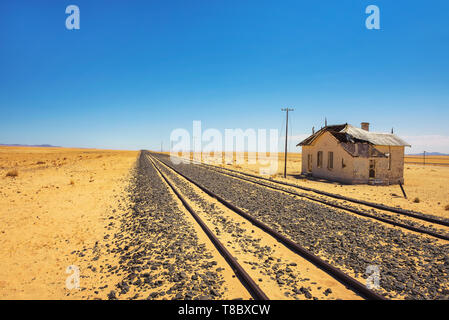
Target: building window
x,y
330,160
319,159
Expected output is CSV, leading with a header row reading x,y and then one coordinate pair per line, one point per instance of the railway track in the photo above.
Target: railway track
x,y
243,276
252,179
416,215
334,272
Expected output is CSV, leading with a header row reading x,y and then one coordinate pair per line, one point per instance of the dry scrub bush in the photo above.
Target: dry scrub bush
x,y
416,200
12,173
72,182
446,207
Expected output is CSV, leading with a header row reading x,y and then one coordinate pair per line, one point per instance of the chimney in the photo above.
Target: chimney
x,y
365,126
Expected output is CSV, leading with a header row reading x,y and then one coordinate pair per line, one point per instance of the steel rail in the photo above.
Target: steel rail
x,y
244,277
339,275
418,216
355,211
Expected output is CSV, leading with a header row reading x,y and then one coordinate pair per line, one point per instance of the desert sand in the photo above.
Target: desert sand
x,y
57,204
57,201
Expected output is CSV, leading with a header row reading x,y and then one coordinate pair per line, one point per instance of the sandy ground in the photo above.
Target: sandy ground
x,y
426,186
57,204
61,201
438,160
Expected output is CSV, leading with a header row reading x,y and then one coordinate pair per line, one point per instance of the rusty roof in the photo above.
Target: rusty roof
x,y
350,134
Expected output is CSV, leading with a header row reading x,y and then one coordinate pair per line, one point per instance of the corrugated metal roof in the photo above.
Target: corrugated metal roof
x,y
310,139
348,133
376,138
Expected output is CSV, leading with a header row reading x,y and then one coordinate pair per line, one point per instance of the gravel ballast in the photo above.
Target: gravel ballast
x,y
411,266
158,250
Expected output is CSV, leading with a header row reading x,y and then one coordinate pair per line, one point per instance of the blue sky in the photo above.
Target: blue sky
x,y
136,70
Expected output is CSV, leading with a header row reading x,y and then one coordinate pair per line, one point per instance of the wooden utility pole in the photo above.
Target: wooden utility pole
x,y
424,157
286,138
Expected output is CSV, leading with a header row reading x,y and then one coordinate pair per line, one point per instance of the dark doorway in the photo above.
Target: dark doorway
x,y
372,169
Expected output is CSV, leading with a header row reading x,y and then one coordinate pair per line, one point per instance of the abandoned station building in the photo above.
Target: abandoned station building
x,y
352,155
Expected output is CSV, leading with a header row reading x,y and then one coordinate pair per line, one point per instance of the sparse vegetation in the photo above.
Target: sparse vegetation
x,y
72,182
12,173
40,162
416,200
446,207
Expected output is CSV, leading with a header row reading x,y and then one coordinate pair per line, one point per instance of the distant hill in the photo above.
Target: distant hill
x,y
428,154
28,145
